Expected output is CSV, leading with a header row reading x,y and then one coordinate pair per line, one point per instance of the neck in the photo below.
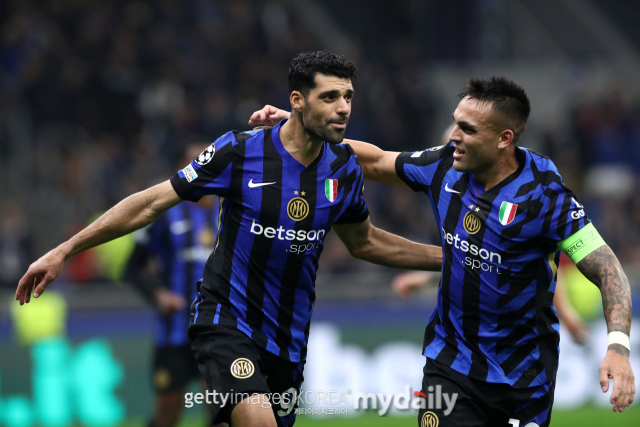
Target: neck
x,y
303,146
492,176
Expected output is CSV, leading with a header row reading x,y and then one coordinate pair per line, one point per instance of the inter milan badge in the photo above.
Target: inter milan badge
x,y
242,368
429,419
471,223
206,156
298,208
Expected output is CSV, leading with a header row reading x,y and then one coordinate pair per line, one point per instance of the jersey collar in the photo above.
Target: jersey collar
x,y
288,158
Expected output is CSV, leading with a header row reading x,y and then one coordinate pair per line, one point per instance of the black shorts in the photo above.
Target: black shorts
x,y
481,404
173,368
235,368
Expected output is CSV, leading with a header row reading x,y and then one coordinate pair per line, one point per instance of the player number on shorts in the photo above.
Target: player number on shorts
x,y
516,423
288,404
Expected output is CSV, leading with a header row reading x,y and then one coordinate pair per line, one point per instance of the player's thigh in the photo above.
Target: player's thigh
x,y
449,399
253,411
232,368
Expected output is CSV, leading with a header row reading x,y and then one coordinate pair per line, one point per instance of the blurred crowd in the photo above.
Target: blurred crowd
x,y
97,100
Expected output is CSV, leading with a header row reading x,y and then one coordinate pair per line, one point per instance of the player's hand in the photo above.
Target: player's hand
x,y
268,116
407,283
576,326
168,302
617,366
39,275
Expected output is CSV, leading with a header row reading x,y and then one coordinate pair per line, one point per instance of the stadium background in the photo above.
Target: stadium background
x,y
97,98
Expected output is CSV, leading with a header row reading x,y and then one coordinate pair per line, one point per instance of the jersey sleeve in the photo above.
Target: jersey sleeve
x,y
564,215
357,210
418,168
209,173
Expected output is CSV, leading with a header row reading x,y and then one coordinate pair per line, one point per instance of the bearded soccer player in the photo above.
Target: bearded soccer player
x,y
504,215
281,191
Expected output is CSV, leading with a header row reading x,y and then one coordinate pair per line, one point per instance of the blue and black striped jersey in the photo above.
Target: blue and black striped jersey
x,y
182,240
274,216
494,320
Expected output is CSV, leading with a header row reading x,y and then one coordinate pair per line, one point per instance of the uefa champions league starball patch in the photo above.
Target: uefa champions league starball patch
x,y
206,156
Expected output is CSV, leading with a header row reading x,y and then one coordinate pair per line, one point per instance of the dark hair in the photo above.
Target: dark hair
x,y
506,96
304,67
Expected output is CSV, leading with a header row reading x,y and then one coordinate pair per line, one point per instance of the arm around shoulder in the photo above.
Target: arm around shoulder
x,y
366,242
377,164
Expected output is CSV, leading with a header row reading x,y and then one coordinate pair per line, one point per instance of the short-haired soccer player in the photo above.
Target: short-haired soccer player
x,y
504,215
281,191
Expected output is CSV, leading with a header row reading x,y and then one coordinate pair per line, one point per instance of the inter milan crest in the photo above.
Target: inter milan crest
x,y
242,368
206,156
298,208
429,419
471,223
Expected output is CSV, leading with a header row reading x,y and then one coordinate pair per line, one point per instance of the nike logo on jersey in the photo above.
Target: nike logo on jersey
x,y
258,184
448,190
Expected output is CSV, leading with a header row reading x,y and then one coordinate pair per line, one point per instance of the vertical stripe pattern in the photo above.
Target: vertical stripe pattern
x,y
261,277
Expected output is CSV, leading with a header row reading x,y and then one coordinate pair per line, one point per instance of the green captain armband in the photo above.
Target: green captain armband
x,y
582,243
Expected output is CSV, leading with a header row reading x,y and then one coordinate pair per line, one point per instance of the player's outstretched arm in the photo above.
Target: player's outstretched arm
x,y
130,214
603,268
366,242
377,165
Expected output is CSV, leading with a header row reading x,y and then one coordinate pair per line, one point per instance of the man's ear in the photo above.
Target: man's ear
x,y
297,101
506,138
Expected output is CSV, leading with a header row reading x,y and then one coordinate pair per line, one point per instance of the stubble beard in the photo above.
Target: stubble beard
x,y
315,126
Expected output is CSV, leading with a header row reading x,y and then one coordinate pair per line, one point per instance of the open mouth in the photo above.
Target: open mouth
x,y
458,153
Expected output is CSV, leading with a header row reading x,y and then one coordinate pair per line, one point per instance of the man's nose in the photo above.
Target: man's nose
x,y
455,134
343,107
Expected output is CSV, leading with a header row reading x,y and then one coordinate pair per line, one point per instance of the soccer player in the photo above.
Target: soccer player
x,y
281,190
175,248
504,214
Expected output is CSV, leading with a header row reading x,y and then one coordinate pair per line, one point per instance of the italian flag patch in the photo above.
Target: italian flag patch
x,y
331,189
507,212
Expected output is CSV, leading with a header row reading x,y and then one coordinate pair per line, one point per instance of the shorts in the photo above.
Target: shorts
x,y
481,404
235,368
173,368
